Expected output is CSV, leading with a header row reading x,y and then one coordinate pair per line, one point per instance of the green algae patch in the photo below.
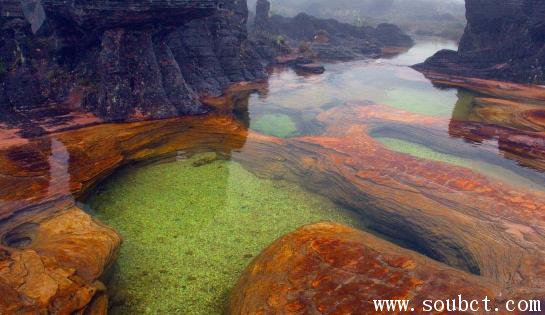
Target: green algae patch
x,y
431,103
191,227
487,169
278,125
420,151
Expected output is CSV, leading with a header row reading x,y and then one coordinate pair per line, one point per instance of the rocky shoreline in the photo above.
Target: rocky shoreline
x,y
327,39
48,242
54,256
149,60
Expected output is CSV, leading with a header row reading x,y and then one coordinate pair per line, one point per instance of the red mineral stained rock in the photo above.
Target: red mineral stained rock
x,y
329,268
490,87
509,114
52,265
458,216
51,252
455,215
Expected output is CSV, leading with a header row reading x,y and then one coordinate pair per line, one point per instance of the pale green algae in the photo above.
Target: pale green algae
x,y
190,231
487,169
278,125
420,101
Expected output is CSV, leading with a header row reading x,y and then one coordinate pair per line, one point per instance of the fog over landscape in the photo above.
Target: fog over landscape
x,y
445,18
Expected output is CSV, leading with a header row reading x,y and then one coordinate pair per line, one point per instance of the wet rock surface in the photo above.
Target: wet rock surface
x,y
53,264
329,268
312,68
503,40
436,206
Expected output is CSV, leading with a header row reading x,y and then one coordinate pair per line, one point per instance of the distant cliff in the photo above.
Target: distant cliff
x,y
503,40
122,60
329,39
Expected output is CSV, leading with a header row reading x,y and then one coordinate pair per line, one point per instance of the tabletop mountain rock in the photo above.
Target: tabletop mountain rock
x,y
129,60
503,40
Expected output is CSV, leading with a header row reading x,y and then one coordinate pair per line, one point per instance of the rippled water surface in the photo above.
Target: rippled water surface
x,y
191,224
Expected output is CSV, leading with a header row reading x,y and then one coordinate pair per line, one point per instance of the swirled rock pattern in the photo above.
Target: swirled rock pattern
x,y
327,268
332,269
468,223
52,254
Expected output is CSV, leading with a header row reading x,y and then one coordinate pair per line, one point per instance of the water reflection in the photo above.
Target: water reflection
x,y
59,163
288,105
34,172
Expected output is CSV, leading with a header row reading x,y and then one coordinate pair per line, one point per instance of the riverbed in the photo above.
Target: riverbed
x,y
192,222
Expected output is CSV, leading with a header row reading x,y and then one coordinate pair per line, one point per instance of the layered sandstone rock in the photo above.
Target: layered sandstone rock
x,y
432,207
143,60
52,253
503,40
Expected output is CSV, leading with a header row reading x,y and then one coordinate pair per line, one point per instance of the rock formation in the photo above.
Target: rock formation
x,y
327,38
503,40
46,241
127,60
327,268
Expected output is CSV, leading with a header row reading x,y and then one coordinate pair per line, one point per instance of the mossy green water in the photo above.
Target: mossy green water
x,y
278,125
490,170
420,101
190,230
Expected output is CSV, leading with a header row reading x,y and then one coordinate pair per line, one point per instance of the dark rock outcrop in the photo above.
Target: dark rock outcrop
x,y
262,11
503,40
124,60
310,68
327,38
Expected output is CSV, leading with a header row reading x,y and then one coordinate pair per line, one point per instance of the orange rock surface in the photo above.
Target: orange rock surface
x,y
52,253
490,87
327,268
454,215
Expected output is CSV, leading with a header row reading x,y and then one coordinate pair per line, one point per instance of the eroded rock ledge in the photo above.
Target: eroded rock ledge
x,y
327,268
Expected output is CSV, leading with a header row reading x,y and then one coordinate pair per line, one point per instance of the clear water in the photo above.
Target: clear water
x,y
190,227
291,100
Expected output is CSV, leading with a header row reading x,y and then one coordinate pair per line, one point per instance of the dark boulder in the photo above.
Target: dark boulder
x,y
310,68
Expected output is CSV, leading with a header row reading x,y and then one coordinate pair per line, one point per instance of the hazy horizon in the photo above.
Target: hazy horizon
x,y
445,18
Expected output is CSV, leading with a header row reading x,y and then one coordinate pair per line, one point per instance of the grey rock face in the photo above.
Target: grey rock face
x,y
262,11
216,51
503,40
131,60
